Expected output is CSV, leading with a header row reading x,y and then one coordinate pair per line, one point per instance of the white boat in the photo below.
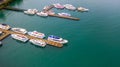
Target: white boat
x,y
42,14
38,42
19,30
59,6
31,11
36,34
50,12
70,7
64,14
1,32
45,7
19,37
4,26
82,9
57,39
35,10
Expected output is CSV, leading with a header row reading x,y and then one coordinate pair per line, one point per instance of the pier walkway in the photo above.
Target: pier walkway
x,y
47,8
44,10
8,32
14,9
66,17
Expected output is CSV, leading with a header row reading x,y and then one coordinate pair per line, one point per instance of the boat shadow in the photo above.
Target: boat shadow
x,y
20,41
43,16
65,45
82,11
37,46
1,46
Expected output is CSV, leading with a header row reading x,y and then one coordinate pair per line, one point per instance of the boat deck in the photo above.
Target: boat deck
x,y
8,32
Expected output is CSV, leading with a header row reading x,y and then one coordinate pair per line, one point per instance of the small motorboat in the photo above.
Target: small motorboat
x,y
57,39
36,34
38,42
82,9
64,14
19,30
42,14
70,7
19,37
59,6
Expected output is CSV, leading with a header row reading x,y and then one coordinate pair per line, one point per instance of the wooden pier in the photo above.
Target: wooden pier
x,y
66,17
8,32
48,8
14,9
4,35
44,10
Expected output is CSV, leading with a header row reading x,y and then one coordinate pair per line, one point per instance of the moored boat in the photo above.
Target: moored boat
x,y
38,42
19,37
57,39
70,7
1,32
4,26
64,14
19,30
50,12
42,14
59,6
31,11
82,9
36,34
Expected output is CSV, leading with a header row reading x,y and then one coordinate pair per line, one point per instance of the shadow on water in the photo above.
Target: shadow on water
x,y
16,2
37,46
1,46
3,13
20,41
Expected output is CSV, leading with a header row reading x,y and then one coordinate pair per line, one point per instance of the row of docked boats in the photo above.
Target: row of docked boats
x,y
20,35
35,11
69,7
45,14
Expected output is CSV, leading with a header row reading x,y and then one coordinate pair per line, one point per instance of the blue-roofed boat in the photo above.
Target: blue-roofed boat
x,y
57,39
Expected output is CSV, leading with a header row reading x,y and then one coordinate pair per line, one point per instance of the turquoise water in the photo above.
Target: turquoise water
x,y
93,41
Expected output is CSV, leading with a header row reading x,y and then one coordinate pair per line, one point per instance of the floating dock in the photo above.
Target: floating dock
x,y
14,9
66,17
4,35
48,8
44,10
8,32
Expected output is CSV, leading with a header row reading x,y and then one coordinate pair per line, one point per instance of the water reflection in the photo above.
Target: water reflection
x,y
3,13
16,2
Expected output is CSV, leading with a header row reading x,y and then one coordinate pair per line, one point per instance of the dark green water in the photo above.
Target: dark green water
x,y
94,41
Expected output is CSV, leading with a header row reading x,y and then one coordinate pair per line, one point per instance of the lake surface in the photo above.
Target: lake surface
x,y
94,41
